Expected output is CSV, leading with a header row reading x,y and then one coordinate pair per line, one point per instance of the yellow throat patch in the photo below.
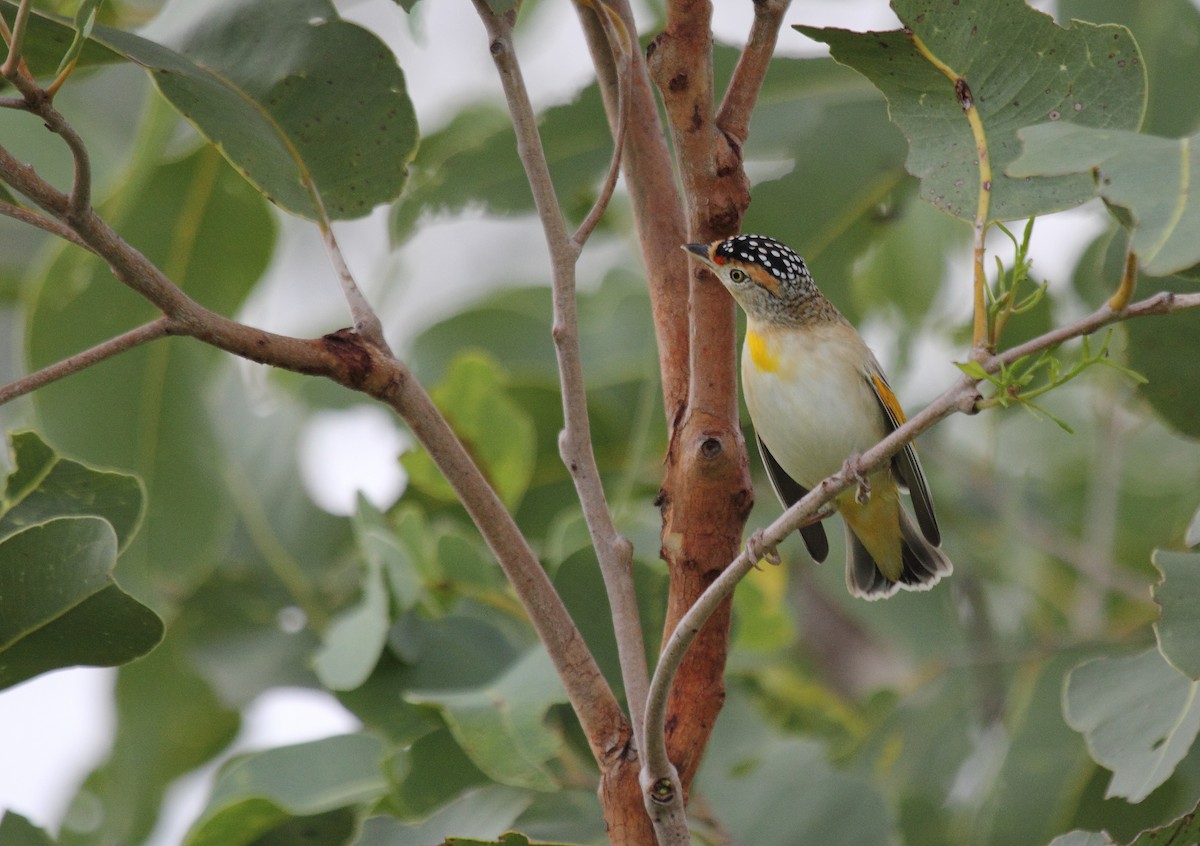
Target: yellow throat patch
x,y
764,358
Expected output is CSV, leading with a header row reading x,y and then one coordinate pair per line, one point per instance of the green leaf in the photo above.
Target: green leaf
x,y
85,19
16,830
255,794
357,637
473,162
495,430
48,38
1185,830
168,722
478,813
500,726
383,550
1178,595
1083,838
1160,348
1021,69
1148,176
1139,717
509,838
146,409
59,604
749,775
813,119
324,111
44,485
1164,30
581,586
436,770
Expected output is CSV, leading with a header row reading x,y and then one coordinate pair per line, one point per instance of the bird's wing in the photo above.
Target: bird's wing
x,y
790,492
905,463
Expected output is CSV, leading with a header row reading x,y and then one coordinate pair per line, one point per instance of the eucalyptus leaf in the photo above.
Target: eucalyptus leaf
x,y
1178,595
500,726
169,721
1018,68
478,813
49,38
256,793
319,122
59,604
1139,716
16,830
1148,176
45,485
495,430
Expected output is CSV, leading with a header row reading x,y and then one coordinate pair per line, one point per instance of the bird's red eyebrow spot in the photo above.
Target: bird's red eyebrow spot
x,y
718,259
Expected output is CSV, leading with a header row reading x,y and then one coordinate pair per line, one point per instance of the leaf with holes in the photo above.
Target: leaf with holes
x,y
1018,68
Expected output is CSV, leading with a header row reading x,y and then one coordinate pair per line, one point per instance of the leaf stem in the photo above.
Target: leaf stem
x,y
16,41
1124,292
966,99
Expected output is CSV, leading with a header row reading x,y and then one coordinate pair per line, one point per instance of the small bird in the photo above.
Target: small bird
x,y
817,396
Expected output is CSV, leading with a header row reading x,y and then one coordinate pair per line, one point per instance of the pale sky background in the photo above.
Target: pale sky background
x,y
55,728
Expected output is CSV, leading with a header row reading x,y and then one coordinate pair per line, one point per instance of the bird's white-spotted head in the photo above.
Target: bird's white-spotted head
x,y
768,279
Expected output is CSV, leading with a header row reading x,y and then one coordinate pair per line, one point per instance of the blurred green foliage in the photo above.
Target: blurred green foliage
x,y
1020,701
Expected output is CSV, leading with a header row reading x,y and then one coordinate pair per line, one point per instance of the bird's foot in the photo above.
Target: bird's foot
x,y
760,551
853,470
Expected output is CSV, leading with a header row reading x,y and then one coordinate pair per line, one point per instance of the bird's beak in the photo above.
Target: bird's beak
x,y
700,251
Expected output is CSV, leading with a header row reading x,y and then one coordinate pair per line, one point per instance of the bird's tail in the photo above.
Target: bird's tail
x,y
922,564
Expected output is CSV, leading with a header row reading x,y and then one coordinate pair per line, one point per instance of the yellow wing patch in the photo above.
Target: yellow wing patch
x,y
887,398
763,357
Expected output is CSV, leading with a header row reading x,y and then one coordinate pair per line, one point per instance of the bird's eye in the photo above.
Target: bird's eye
x,y
737,276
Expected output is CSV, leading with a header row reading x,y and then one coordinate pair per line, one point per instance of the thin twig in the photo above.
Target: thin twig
x,y
153,330
16,42
366,321
42,222
962,396
613,551
738,104
621,48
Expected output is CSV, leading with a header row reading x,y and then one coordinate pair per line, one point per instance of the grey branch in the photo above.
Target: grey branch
x,y
613,551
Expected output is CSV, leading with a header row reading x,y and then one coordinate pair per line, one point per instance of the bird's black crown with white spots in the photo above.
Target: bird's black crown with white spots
x,y
780,260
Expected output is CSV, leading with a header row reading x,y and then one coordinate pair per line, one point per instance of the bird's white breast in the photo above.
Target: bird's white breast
x,y
809,398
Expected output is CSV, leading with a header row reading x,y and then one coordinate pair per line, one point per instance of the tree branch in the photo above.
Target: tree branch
x,y
614,552
962,396
151,331
42,222
353,361
733,117
654,195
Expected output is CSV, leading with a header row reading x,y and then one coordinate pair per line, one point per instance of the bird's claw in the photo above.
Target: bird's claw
x,y
853,470
760,551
